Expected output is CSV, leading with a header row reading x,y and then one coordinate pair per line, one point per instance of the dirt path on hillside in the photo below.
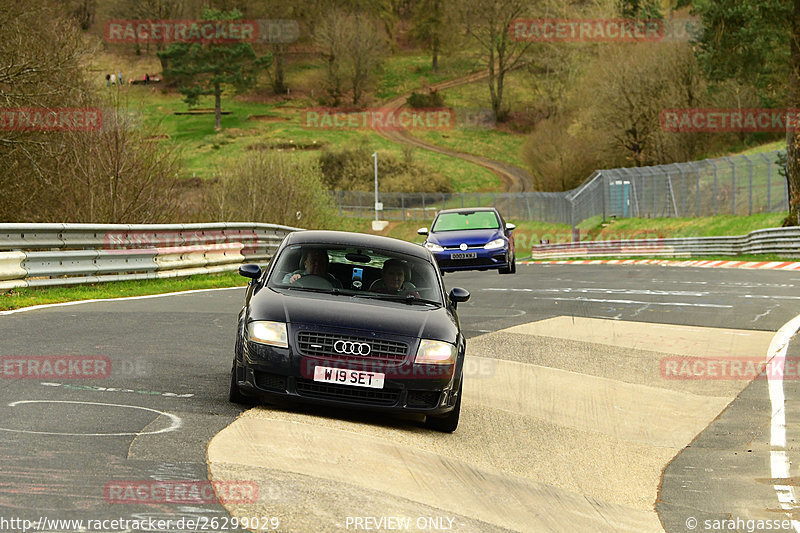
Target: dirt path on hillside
x,y
515,179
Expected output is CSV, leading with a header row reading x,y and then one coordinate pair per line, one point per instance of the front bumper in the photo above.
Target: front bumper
x,y
485,259
282,374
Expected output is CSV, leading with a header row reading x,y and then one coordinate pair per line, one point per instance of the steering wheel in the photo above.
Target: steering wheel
x,y
313,281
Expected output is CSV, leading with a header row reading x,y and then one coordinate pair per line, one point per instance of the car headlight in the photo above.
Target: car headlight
x,y
497,243
433,247
272,333
435,353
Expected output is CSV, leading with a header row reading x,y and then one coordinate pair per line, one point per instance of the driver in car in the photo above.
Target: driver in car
x,y
316,263
393,280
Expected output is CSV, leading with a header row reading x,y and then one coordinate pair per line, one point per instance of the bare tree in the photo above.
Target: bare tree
x,y
330,36
152,10
40,54
487,25
270,186
118,175
363,55
114,174
353,48
434,26
635,85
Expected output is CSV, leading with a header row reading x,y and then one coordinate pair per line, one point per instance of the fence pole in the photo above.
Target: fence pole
x,y
634,193
716,195
750,199
733,184
683,187
603,193
769,178
697,189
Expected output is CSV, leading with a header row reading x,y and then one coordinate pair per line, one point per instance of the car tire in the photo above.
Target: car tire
x,y
511,268
235,394
449,422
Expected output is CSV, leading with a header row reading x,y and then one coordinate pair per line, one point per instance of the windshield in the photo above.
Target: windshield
x,y
466,220
356,271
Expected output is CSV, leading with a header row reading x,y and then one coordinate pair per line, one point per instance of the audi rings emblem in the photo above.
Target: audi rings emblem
x,y
352,348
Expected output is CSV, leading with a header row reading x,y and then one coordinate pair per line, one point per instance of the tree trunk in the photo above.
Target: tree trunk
x,y
792,135
435,61
279,82
437,17
217,106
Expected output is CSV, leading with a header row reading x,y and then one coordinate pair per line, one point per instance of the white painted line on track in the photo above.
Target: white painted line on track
x,y
631,302
779,462
175,421
123,298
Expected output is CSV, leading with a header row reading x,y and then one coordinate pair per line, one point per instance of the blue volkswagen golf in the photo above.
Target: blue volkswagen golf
x,y
471,239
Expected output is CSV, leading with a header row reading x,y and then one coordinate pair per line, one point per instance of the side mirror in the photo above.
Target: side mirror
x,y
422,231
510,226
458,295
250,271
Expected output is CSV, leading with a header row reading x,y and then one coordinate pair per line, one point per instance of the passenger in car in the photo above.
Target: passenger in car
x,y
315,261
393,279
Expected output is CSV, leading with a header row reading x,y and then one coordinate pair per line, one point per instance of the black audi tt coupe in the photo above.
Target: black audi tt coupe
x,y
351,320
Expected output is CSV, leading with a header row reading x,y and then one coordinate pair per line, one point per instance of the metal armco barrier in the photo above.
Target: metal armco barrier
x,y
779,241
34,255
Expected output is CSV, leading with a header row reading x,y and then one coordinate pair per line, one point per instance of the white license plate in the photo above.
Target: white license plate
x,y
344,376
465,255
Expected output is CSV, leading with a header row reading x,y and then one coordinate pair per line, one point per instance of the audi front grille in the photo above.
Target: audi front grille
x,y
344,393
350,348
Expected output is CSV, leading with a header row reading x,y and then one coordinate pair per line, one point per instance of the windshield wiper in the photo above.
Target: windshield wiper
x,y
409,298
334,290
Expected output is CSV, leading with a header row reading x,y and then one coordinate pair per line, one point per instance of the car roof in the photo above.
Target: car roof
x,y
346,238
467,210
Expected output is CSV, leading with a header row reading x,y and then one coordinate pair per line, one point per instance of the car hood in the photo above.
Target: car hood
x,y
472,237
340,311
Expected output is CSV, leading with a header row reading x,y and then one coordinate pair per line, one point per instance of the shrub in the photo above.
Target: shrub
x,y
270,186
422,100
353,169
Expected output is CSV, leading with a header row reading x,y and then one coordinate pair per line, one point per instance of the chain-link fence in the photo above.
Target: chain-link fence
x,y
737,185
545,206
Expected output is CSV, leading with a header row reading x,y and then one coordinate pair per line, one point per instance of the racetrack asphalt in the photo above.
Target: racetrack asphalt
x,y
568,418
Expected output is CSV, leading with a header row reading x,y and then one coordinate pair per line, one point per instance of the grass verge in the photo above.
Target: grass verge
x,y
26,297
